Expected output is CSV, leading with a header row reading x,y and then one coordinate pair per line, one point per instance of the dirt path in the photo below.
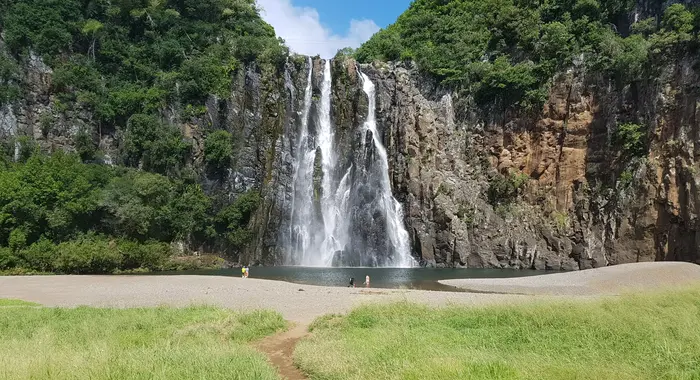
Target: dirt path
x,y
279,349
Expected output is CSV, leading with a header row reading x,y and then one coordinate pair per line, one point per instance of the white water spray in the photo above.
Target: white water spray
x,y
302,226
398,235
334,200
343,214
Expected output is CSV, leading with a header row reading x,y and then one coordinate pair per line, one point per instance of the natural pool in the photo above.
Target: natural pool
x,y
395,278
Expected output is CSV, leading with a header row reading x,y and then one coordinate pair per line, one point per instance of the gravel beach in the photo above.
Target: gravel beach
x,y
613,280
298,303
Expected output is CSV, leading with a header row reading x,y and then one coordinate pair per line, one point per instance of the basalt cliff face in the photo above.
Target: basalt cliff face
x,y
583,204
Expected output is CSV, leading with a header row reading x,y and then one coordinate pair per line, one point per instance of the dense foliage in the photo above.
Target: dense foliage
x,y
140,68
505,52
59,214
126,57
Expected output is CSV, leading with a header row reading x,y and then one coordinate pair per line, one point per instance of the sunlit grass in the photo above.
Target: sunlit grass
x,y
632,337
6,302
156,343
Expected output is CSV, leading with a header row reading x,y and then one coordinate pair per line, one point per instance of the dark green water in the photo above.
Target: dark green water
x,y
393,278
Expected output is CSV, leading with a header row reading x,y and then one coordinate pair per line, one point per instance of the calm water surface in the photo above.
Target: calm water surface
x,y
395,278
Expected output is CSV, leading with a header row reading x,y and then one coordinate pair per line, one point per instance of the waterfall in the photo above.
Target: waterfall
x,y
303,223
390,207
334,198
343,214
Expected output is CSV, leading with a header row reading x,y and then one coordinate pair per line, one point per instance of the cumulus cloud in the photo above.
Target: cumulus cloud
x,y
301,28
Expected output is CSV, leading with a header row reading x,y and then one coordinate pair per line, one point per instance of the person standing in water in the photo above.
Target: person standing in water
x,y
366,281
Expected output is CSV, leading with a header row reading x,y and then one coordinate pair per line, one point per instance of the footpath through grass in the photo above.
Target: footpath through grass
x,y
634,337
155,343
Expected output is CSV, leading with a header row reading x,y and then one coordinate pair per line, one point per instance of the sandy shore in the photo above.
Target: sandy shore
x,y
303,303
298,303
612,280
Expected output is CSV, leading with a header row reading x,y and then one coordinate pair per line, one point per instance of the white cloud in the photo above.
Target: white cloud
x,y
301,28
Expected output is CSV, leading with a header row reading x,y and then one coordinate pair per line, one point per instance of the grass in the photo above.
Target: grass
x,y
14,303
632,337
155,343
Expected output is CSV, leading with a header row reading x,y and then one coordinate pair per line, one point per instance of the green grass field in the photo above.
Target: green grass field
x,y
14,303
634,337
156,343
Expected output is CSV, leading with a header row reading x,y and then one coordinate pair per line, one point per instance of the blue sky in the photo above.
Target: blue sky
x,y
323,26
336,14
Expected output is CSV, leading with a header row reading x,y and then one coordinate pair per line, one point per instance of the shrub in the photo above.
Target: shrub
x,y
467,214
8,260
150,255
185,263
626,178
561,221
39,256
218,150
17,239
85,145
233,220
505,189
153,145
631,139
88,255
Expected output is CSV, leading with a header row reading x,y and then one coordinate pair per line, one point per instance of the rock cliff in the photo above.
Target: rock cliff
x,y
584,203
581,202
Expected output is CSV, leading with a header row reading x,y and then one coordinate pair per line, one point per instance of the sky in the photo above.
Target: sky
x,y
324,26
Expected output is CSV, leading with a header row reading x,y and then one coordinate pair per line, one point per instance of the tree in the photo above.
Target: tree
x,y
153,145
631,138
92,28
346,52
55,197
218,151
677,19
232,221
138,206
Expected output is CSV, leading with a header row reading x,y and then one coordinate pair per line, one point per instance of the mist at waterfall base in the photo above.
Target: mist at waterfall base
x,y
387,278
343,213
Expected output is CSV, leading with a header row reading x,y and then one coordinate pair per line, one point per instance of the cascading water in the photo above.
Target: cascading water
x,y
334,204
387,204
303,222
343,214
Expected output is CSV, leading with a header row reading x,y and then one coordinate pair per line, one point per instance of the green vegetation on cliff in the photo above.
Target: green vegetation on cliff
x,y
121,58
58,214
134,70
505,52
157,343
634,337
